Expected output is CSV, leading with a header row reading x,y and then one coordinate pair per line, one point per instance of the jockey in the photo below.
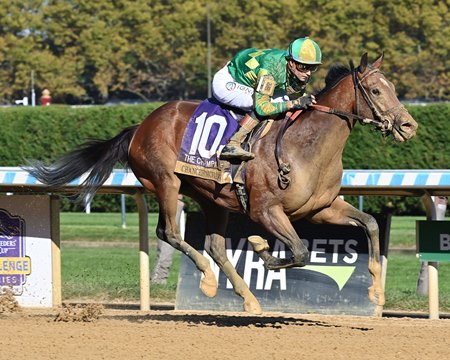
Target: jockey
x,y
265,83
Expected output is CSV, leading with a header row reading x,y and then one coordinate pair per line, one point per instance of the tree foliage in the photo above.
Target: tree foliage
x,y
93,51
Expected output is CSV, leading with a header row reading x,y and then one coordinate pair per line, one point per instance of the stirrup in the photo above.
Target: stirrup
x,y
233,152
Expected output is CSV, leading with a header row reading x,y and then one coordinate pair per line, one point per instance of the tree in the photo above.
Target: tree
x,y
92,51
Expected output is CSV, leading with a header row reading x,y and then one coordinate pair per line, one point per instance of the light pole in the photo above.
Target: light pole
x,y
208,47
33,94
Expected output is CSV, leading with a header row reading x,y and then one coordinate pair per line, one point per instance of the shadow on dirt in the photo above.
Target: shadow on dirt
x,y
221,320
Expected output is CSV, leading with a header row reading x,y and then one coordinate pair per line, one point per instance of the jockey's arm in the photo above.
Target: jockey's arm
x,y
263,98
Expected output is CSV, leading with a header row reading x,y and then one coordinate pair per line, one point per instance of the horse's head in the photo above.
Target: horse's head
x,y
376,98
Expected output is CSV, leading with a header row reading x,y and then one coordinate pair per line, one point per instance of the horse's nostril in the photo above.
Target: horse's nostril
x,y
409,126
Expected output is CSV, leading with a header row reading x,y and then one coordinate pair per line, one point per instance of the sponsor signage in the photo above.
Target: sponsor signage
x,y
433,240
14,265
29,238
334,281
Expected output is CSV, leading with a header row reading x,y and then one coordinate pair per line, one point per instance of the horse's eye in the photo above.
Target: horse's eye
x,y
375,92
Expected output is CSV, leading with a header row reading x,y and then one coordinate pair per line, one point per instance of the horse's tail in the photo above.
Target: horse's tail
x,y
96,158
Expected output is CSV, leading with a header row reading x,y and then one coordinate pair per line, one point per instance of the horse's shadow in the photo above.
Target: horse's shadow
x,y
220,320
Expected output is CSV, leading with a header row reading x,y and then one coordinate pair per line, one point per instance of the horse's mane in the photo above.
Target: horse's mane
x,y
334,75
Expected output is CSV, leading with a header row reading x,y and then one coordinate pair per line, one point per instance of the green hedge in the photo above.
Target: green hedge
x,y
45,133
366,149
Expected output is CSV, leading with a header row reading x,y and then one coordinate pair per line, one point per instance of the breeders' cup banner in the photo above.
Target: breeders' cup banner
x,y
27,226
14,264
334,281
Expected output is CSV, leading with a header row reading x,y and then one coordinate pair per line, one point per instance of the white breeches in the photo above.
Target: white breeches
x,y
230,92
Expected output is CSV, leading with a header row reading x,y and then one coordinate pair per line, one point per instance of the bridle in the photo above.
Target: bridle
x,y
381,118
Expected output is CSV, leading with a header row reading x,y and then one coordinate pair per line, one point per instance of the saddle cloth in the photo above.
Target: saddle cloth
x,y
208,131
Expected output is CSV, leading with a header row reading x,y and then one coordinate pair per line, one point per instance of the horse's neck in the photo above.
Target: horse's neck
x,y
323,135
341,96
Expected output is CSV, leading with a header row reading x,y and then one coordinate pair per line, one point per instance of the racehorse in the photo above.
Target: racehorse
x,y
312,147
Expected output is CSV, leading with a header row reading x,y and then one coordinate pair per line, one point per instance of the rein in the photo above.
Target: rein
x,y
357,84
346,114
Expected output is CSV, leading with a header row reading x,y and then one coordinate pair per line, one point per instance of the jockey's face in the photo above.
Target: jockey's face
x,y
302,71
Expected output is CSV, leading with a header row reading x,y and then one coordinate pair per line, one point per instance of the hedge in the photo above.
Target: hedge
x,y
45,133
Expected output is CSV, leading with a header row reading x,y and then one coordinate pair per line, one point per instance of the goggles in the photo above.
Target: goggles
x,y
306,67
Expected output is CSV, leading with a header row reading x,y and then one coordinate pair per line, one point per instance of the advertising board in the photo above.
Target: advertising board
x,y
29,249
334,281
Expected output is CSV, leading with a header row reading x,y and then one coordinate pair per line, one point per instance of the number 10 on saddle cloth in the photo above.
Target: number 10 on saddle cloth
x,y
207,132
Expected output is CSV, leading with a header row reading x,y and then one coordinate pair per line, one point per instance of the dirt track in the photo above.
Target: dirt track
x,y
129,334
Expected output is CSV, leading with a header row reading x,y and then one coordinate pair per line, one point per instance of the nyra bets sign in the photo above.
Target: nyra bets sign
x,y
334,281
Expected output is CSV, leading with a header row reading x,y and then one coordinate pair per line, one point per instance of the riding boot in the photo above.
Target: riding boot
x,y
233,149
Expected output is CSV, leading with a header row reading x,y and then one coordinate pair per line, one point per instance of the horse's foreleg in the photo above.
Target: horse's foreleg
x,y
277,223
342,213
208,283
261,247
216,220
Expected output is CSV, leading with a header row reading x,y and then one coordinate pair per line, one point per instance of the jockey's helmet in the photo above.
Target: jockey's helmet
x,y
305,51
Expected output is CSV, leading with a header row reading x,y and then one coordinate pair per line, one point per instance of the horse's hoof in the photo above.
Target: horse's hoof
x,y
252,307
208,284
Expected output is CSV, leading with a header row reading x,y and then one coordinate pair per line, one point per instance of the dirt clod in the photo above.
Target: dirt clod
x,y
82,313
8,303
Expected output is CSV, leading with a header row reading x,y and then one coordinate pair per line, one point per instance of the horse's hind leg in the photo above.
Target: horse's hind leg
x,y
342,213
216,220
168,231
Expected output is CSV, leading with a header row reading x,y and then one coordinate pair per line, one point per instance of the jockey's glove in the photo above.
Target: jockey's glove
x,y
303,102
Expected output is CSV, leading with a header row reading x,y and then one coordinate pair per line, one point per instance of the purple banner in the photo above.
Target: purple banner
x,y
14,265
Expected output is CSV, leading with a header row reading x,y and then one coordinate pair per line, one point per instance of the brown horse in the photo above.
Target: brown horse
x,y
312,146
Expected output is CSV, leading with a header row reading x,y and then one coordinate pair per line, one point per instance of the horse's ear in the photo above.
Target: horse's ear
x,y
379,61
363,64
